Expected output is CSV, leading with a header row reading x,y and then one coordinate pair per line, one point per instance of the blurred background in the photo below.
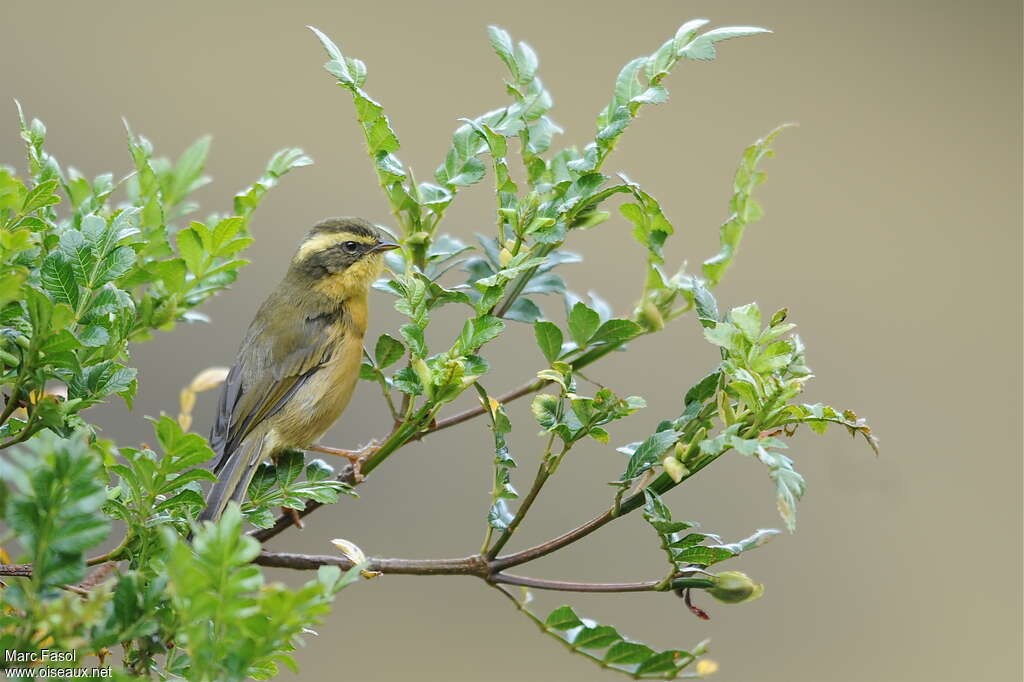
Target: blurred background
x,y
893,234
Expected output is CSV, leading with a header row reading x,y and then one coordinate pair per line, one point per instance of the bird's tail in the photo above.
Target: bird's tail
x,y
233,478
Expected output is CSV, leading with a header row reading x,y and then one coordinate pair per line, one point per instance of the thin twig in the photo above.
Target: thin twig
x,y
569,586
553,544
525,389
543,473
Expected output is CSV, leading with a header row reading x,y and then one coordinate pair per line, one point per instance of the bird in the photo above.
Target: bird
x,y
298,363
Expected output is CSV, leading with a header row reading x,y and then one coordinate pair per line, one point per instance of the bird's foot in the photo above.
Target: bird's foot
x,y
356,457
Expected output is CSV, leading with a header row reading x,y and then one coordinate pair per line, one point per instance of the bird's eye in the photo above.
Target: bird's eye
x,y
350,247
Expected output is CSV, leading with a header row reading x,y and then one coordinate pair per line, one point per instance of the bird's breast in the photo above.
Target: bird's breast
x,y
325,395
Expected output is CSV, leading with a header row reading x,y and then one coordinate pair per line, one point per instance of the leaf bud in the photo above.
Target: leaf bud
x,y
734,587
779,317
509,215
425,376
352,552
592,219
650,317
674,468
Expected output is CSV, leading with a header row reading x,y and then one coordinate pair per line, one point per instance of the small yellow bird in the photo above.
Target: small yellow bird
x,y
298,365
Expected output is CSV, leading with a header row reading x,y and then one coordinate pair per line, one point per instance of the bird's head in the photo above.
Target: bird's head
x,y
341,257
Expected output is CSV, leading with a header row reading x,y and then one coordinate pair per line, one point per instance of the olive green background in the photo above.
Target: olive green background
x,y
893,234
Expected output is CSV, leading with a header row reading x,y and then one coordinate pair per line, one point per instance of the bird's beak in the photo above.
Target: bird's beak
x,y
385,246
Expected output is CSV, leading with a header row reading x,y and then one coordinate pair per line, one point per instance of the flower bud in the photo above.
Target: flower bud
x,y
504,256
706,666
418,238
734,587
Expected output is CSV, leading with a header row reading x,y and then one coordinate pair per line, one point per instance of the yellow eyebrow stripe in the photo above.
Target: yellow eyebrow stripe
x,y
323,241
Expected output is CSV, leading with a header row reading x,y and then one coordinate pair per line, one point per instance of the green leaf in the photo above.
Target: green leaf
x,y
649,453
703,389
596,637
40,196
113,266
563,618
549,339
414,337
628,653
706,305
523,310
637,660
703,555
615,332
407,381
545,410
387,351
722,334
747,319
743,209
583,322
181,449
93,336
190,248
789,485
54,508
484,328
58,278
703,46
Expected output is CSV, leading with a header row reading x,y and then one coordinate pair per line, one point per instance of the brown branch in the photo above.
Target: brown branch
x,y
17,570
476,565
471,565
660,485
553,544
98,576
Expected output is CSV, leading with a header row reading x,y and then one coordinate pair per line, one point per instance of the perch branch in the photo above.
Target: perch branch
x,y
347,474
476,565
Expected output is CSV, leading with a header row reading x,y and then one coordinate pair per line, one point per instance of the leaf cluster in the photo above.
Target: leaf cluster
x,y
89,266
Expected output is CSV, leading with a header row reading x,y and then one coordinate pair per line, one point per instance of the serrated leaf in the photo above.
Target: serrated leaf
x,y
387,351
649,453
58,278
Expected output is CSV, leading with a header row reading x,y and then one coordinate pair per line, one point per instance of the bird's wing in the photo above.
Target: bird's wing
x,y
277,358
